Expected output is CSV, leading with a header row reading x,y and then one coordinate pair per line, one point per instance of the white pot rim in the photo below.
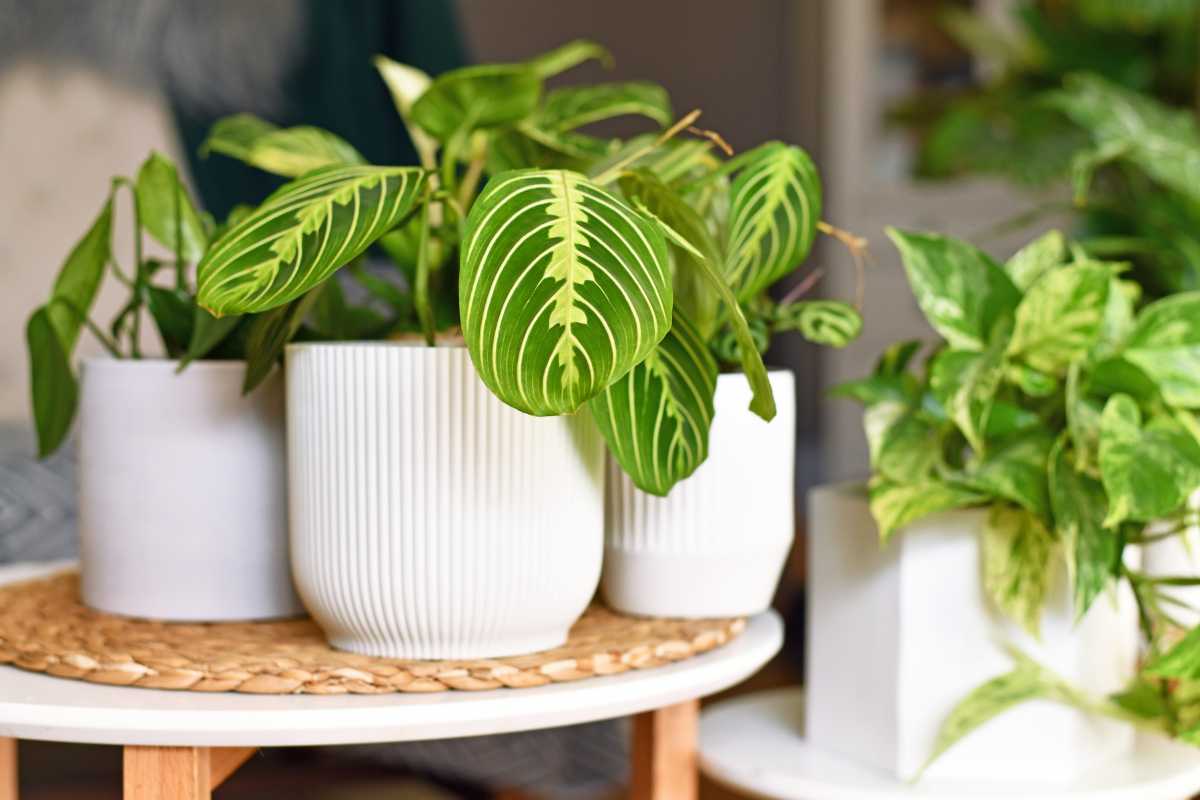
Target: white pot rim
x,y
161,364
737,373
365,344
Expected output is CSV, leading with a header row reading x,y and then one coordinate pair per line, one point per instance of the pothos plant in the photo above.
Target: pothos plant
x,y
161,210
586,272
1065,405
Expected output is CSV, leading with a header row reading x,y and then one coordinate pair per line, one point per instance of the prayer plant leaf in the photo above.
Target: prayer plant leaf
x,y
569,55
483,96
302,233
1165,344
290,152
832,323
657,417
574,106
1148,471
962,292
774,208
1017,563
166,210
563,288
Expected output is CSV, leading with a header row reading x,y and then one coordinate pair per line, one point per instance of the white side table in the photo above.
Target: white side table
x,y
755,744
181,745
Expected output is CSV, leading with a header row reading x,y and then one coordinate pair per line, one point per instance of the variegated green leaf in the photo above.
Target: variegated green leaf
x,y
571,54
284,151
1017,563
563,288
484,96
574,106
656,418
828,322
302,233
775,205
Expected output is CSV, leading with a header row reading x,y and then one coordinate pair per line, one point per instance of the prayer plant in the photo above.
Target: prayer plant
x,y
587,271
1064,404
160,207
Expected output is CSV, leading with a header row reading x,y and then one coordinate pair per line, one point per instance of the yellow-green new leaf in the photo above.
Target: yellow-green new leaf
x,y
290,152
302,233
563,288
657,417
571,54
774,208
1017,564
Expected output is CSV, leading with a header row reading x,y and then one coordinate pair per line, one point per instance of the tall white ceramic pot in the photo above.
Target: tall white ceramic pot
x,y
898,635
715,546
430,520
182,497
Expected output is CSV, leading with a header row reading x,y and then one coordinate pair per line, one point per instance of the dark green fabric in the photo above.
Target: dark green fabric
x,y
335,87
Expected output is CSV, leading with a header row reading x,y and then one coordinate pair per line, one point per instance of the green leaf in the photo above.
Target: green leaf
x,y
269,333
563,288
774,208
904,447
1182,661
406,84
1017,564
484,96
207,332
54,390
569,55
1165,344
1061,316
1015,469
166,210
1143,699
575,106
1148,472
656,417
1083,421
1031,381
78,281
962,292
895,505
173,312
302,233
290,152
1036,258
965,383
1079,505
1026,681
825,322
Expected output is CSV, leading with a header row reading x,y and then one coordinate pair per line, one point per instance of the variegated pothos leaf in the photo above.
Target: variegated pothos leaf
x,y
563,288
657,417
775,205
302,233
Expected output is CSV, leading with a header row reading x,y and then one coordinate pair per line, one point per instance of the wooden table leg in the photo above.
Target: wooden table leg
x,y
179,773
664,753
8,769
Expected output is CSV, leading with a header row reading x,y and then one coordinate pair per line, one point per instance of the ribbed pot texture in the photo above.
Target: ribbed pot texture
x,y
182,497
716,544
430,520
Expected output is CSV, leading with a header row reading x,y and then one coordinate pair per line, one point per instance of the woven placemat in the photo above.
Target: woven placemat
x,y
45,628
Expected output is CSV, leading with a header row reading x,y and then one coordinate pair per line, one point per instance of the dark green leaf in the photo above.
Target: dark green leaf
x,y
963,293
78,281
207,332
1080,505
269,333
173,312
484,96
166,210
1016,470
53,386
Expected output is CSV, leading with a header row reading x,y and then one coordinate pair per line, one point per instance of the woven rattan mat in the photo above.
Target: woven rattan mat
x,y
45,628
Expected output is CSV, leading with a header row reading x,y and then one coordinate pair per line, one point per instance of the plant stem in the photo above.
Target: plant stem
x,y
470,181
421,290
139,275
616,169
803,287
858,247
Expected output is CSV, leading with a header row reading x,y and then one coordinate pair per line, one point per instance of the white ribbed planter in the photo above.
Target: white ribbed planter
x,y
716,545
898,635
430,520
182,498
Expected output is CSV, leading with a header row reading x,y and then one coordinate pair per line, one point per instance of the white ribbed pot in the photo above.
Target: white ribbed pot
x,y
182,498
715,546
430,520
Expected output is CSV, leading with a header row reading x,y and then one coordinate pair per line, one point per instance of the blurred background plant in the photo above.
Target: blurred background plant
x,y
1101,94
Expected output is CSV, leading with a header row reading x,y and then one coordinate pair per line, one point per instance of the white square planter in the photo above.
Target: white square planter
x,y
898,635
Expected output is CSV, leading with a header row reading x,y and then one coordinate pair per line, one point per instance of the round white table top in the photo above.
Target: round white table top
x,y
35,706
755,744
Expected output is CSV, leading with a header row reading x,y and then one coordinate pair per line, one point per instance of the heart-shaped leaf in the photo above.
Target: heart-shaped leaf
x,y
774,208
302,233
657,417
563,288
1017,564
1061,316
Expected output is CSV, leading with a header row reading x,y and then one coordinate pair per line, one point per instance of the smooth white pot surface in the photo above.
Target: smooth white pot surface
x,y
1177,556
716,545
182,510
430,520
898,635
